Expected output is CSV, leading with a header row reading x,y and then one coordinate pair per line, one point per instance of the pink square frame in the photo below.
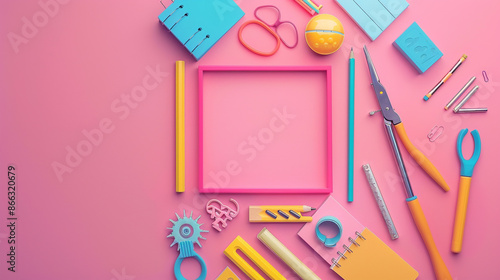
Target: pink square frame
x,y
221,68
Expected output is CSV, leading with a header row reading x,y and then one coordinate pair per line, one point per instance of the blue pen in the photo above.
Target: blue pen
x,y
350,161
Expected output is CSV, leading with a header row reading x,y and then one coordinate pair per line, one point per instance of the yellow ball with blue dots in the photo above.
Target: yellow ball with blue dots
x,y
324,34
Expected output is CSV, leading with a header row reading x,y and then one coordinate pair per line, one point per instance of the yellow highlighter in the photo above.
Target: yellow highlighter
x,y
180,145
279,214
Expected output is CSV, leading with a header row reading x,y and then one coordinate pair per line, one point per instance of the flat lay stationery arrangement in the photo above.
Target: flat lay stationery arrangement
x,y
233,139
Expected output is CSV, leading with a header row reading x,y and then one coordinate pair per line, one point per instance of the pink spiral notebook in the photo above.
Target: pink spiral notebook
x,y
359,254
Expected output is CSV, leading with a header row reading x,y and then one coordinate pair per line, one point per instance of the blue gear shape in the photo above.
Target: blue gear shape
x,y
186,229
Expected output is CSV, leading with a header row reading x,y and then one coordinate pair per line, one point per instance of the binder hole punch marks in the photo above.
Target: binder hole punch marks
x,y
221,213
186,231
199,24
334,224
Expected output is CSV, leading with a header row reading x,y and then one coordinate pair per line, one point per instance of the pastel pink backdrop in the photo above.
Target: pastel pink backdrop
x,y
107,219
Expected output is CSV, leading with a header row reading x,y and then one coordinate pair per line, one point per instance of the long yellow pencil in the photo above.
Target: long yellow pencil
x,y
180,145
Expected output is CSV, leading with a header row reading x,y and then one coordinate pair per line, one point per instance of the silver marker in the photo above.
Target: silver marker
x,y
472,110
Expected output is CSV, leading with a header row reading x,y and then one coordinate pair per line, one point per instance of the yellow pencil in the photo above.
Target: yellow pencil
x,y
180,145
279,214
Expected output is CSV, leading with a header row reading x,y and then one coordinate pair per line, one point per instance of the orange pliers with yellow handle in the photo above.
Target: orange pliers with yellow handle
x,y
391,118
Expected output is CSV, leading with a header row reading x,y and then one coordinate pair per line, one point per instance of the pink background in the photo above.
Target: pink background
x,y
107,219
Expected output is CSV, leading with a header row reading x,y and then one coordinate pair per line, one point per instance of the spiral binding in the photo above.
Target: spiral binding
x,y
347,248
335,262
199,29
180,7
206,37
353,241
185,15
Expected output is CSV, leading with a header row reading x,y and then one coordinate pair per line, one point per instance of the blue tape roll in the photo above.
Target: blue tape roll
x,y
329,242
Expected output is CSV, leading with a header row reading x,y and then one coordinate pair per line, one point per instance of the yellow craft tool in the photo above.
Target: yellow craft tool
x,y
391,118
180,145
279,214
241,245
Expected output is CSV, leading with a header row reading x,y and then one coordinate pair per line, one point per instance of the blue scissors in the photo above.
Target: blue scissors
x,y
466,170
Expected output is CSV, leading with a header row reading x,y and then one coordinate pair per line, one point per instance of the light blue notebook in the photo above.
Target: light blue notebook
x,y
199,24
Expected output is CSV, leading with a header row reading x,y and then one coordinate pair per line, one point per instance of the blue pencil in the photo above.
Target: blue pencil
x,y
350,161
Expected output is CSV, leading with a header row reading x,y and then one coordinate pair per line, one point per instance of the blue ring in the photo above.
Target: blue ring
x,y
329,242
179,260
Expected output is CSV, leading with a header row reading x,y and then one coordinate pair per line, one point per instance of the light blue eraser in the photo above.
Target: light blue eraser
x,y
395,7
426,98
377,12
361,18
417,48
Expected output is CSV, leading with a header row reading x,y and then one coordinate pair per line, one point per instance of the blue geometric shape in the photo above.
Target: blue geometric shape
x,y
377,12
373,16
417,48
361,18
